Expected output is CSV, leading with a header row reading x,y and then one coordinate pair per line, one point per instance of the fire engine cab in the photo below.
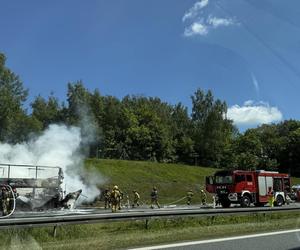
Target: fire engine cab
x,y
247,187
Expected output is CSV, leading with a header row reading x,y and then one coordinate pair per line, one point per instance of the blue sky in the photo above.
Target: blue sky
x,y
245,51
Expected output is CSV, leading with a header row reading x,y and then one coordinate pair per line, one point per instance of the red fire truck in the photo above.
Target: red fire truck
x,y
247,187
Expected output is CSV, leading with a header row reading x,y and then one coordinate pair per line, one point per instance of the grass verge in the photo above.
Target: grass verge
x,y
172,180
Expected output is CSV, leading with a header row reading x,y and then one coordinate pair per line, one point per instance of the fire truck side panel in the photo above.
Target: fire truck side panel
x,y
248,187
265,186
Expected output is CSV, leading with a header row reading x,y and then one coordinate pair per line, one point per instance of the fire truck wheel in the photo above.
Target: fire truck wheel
x,y
279,201
245,201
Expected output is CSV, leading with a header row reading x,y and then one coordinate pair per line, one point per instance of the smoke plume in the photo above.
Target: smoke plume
x,y
59,145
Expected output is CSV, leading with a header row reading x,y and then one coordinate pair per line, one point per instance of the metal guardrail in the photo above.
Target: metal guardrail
x,y
140,215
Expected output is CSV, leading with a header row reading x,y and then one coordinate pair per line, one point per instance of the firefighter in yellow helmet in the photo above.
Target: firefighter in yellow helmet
x,y
271,198
4,196
203,197
154,198
136,198
115,198
189,196
106,196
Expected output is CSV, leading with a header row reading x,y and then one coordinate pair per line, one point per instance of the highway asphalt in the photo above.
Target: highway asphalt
x,y
284,240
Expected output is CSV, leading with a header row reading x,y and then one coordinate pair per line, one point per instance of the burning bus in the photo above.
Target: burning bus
x,y
249,187
36,187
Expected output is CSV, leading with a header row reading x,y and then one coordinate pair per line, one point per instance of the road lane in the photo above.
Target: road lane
x,y
281,240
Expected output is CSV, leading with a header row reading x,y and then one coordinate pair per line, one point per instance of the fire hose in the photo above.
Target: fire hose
x,y
182,198
14,204
176,201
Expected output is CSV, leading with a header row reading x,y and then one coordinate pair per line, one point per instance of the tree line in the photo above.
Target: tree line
x,y
147,128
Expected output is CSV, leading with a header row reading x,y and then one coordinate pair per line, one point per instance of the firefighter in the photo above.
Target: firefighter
x,y
216,201
127,201
189,196
271,199
154,198
106,196
5,201
293,194
203,197
288,199
136,198
115,198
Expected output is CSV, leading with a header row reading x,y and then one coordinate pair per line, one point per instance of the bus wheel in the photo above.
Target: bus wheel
x,y
279,201
225,204
245,202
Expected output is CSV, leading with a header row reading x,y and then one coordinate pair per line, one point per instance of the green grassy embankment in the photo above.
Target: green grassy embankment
x,y
172,180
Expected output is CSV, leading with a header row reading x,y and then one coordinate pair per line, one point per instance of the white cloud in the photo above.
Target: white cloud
x,y
202,22
196,28
193,12
217,22
249,103
254,113
203,26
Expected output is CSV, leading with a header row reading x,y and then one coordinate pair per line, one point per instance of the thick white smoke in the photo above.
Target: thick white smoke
x,y
59,145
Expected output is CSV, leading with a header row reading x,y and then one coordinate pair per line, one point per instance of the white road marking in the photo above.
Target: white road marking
x,y
191,243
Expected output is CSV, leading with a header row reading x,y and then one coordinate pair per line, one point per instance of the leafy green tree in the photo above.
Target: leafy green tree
x,y
286,151
147,130
248,150
112,134
211,130
182,134
80,112
78,98
25,127
293,149
97,109
12,97
46,111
